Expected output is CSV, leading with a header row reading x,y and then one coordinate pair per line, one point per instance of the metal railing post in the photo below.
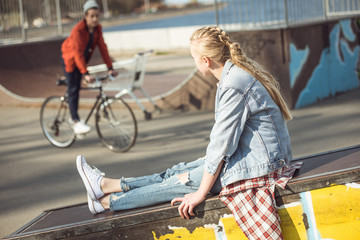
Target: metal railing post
x,y
47,12
106,9
286,14
22,22
326,9
216,13
147,6
58,17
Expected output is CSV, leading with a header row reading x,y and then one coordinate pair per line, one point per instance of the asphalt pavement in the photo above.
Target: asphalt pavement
x,y
36,176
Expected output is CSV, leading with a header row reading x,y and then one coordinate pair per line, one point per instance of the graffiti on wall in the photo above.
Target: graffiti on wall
x,y
326,213
336,70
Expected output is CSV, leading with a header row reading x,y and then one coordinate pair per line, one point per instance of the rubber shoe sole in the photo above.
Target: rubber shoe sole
x,y
85,179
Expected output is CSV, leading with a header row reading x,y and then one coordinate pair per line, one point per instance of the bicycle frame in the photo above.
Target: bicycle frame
x,y
101,96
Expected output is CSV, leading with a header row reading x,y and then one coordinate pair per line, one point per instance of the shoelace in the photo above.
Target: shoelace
x,y
97,171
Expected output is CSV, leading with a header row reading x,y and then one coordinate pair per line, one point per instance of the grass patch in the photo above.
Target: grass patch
x,y
163,53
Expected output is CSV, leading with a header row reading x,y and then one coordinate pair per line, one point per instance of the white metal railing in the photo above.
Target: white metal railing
x,y
261,14
339,8
21,20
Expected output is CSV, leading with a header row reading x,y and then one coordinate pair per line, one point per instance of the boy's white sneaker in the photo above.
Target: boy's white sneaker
x,y
81,128
91,178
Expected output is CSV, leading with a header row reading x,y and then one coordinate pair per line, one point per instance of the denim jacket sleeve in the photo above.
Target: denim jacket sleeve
x,y
230,117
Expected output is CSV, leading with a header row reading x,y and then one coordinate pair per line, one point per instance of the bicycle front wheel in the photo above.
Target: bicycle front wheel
x,y
116,125
54,121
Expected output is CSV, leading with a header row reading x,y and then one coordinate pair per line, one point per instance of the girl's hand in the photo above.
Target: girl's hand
x,y
188,203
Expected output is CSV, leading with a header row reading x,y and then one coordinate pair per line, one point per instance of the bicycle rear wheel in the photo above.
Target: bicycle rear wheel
x,y
54,121
116,125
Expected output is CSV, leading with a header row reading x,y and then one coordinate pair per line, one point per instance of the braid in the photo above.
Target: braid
x,y
239,58
224,38
216,44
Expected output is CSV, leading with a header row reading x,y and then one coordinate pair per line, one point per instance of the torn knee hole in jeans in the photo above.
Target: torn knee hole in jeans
x,y
183,178
115,197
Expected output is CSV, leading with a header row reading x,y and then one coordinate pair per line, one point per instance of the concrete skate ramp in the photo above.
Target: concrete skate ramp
x,y
28,73
25,69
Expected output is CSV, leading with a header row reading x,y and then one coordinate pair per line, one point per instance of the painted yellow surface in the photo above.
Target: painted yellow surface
x,y
337,212
199,233
232,230
292,225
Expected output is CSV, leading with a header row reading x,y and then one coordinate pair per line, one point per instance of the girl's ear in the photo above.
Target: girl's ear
x,y
207,61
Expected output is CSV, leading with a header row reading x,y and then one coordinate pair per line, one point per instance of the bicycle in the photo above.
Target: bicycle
x,y
115,122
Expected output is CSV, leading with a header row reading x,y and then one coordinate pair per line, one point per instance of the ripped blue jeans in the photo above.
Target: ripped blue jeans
x,y
160,187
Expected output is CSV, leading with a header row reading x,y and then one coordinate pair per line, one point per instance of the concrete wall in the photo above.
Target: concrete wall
x,y
162,39
268,48
311,62
324,60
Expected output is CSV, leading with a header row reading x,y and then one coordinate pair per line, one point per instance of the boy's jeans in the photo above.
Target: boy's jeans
x,y
160,187
73,81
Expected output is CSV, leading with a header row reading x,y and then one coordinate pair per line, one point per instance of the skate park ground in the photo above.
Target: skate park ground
x,y
35,176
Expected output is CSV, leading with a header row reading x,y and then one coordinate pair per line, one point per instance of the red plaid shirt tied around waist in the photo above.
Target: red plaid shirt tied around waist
x,y
252,202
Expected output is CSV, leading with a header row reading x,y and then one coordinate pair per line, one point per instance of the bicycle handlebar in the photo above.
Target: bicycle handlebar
x,y
98,80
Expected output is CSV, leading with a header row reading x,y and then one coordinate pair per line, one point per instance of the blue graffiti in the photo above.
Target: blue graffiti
x,y
298,59
347,30
333,74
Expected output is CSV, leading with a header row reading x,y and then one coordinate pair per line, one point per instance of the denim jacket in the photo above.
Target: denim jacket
x,y
250,133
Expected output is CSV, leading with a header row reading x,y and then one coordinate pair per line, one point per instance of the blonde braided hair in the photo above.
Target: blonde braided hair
x,y
216,44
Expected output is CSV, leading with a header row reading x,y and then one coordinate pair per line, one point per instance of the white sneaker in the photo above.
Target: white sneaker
x,y
91,178
81,128
95,206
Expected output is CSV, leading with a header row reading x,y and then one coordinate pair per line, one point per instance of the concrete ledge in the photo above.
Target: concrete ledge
x,y
322,171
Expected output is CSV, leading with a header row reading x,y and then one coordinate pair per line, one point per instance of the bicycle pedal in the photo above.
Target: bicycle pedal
x,y
80,136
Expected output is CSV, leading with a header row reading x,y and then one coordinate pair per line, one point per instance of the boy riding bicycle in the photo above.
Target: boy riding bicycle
x,y
76,53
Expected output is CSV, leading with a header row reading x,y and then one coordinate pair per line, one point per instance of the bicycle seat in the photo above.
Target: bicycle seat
x,y
61,82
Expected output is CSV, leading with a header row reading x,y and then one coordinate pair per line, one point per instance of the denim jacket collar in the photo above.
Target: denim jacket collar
x,y
228,65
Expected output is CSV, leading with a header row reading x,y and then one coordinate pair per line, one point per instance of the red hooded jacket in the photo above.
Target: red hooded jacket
x,y
74,46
